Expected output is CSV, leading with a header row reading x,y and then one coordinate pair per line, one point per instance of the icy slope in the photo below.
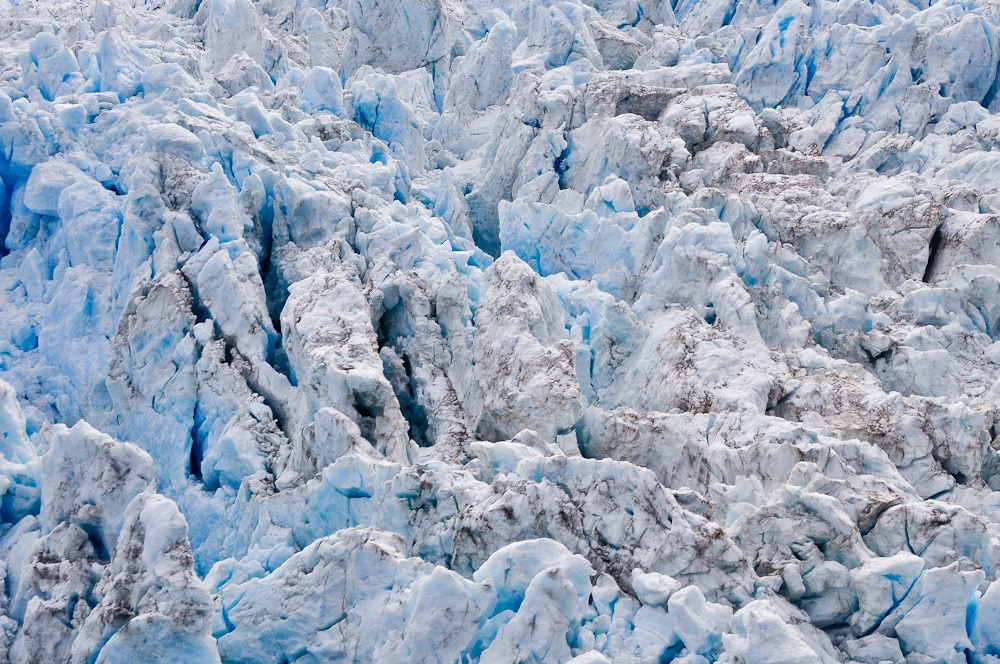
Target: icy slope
x,y
518,331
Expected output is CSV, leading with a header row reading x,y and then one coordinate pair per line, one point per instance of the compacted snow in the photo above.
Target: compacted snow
x,y
500,331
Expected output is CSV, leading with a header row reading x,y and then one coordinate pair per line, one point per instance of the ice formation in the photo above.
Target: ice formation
x,y
500,331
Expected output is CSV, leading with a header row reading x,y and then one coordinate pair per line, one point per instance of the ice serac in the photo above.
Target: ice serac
x,y
20,469
50,598
17,447
151,605
537,330
398,37
354,595
104,551
538,629
98,478
152,376
760,634
524,364
333,355
582,504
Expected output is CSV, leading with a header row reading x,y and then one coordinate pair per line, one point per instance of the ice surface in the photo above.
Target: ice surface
x,y
523,331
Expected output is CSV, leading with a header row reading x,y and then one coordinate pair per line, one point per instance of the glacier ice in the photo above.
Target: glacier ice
x,y
502,331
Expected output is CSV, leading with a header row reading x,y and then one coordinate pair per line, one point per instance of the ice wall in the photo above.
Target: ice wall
x,y
523,331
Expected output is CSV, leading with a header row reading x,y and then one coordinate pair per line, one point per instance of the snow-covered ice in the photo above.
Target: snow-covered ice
x,y
500,331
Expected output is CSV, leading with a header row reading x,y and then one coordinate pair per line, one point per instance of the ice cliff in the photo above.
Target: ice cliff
x,y
500,331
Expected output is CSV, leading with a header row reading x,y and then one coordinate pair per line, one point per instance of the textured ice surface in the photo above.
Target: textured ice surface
x,y
524,331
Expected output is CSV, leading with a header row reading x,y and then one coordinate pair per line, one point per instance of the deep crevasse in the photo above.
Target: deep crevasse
x,y
532,330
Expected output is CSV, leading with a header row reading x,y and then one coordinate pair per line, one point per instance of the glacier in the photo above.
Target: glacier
x,y
500,331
